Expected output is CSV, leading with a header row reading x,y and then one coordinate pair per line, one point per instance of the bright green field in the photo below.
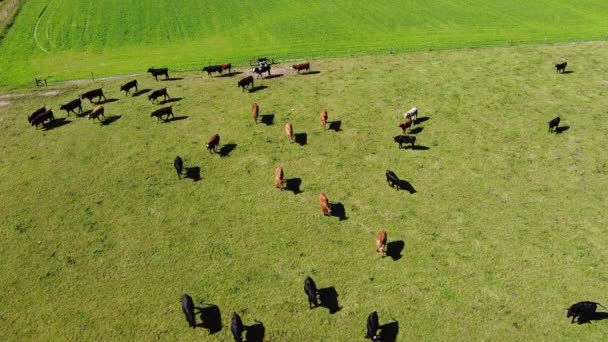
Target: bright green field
x,y
99,239
69,39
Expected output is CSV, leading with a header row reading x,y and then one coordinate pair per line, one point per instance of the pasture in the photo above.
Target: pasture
x,y
505,229
69,39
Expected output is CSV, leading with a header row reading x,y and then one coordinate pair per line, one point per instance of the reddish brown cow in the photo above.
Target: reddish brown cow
x,y
381,242
289,131
213,142
324,118
325,208
278,177
227,66
301,66
405,125
255,110
96,112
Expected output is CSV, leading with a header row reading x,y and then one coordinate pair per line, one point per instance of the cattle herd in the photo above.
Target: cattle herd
x,y
43,116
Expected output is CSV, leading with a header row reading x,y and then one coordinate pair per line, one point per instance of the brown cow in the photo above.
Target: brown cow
x,y
255,110
278,177
227,66
289,131
405,125
96,112
213,142
324,118
381,242
325,208
301,66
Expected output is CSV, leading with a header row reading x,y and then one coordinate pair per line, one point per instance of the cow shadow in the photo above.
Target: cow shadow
x,y
256,332
337,210
335,125
416,148
226,149
273,76
141,92
173,79
293,185
301,138
567,72
394,248
107,121
389,331
176,118
257,88
193,173
421,120
329,299
84,113
416,130
56,124
311,72
173,99
107,101
561,129
231,74
596,316
267,119
211,318
407,186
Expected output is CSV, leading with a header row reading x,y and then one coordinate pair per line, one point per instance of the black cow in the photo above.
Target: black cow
x,y
71,106
161,71
310,288
188,309
561,66
158,93
127,87
554,123
582,309
91,94
168,111
179,166
41,118
236,325
35,114
213,68
372,326
262,69
404,139
392,179
245,82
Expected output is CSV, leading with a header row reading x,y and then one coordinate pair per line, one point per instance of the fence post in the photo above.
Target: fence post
x,y
92,77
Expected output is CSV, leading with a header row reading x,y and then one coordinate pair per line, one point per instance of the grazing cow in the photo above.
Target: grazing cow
x,y
245,82
213,142
158,93
404,139
410,114
213,68
561,66
372,326
381,242
188,309
227,66
324,203
168,111
96,113
582,309
262,69
289,131
324,118
42,117
91,94
278,177
157,72
405,125
310,288
553,124
236,325
179,166
34,114
301,66
392,179
128,86
255,110
71,106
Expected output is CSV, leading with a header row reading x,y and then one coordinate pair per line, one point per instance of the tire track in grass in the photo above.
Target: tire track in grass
x,y
49,25
35,33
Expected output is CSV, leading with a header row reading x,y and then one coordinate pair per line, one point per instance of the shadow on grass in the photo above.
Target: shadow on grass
x,y
301,138
267,119
407,186
256,332
567,72
230,74
226,149
335,125
421,120
337,210
596,316
310,72
257,88
394,248
193,173
141,92
110,119
293,185
173,79
174,99
561,129
107,101
416,130
56,124
211,317
84,113
329,299
389,331
175,118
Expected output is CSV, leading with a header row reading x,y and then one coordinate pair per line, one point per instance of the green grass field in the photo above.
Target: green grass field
x,y
99,239
69,39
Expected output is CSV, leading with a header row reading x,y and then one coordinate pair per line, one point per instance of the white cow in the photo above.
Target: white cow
x,y
410,114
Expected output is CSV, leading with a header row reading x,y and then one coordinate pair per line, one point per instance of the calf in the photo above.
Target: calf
x,y
381,242
168,111
392,179
158,93
42,117
213,142
582,309
188,309
404,139
95,93
310,288
245,82
289,131
372,326
561,66
553,124
96,113
34,114
324,118
227,66
259,70
128,86
255,110
236,325
324,203
178,163
410,114
278,177
405,125
213,68
301,66
71,106
161,71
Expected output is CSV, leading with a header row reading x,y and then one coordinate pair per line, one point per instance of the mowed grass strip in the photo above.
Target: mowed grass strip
x,y
99,238
69,39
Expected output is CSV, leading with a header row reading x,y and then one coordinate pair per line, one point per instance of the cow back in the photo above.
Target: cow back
x,y
236,326
188,309
372,324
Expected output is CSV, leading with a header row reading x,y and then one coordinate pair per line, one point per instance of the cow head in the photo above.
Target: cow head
x,y
570,312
